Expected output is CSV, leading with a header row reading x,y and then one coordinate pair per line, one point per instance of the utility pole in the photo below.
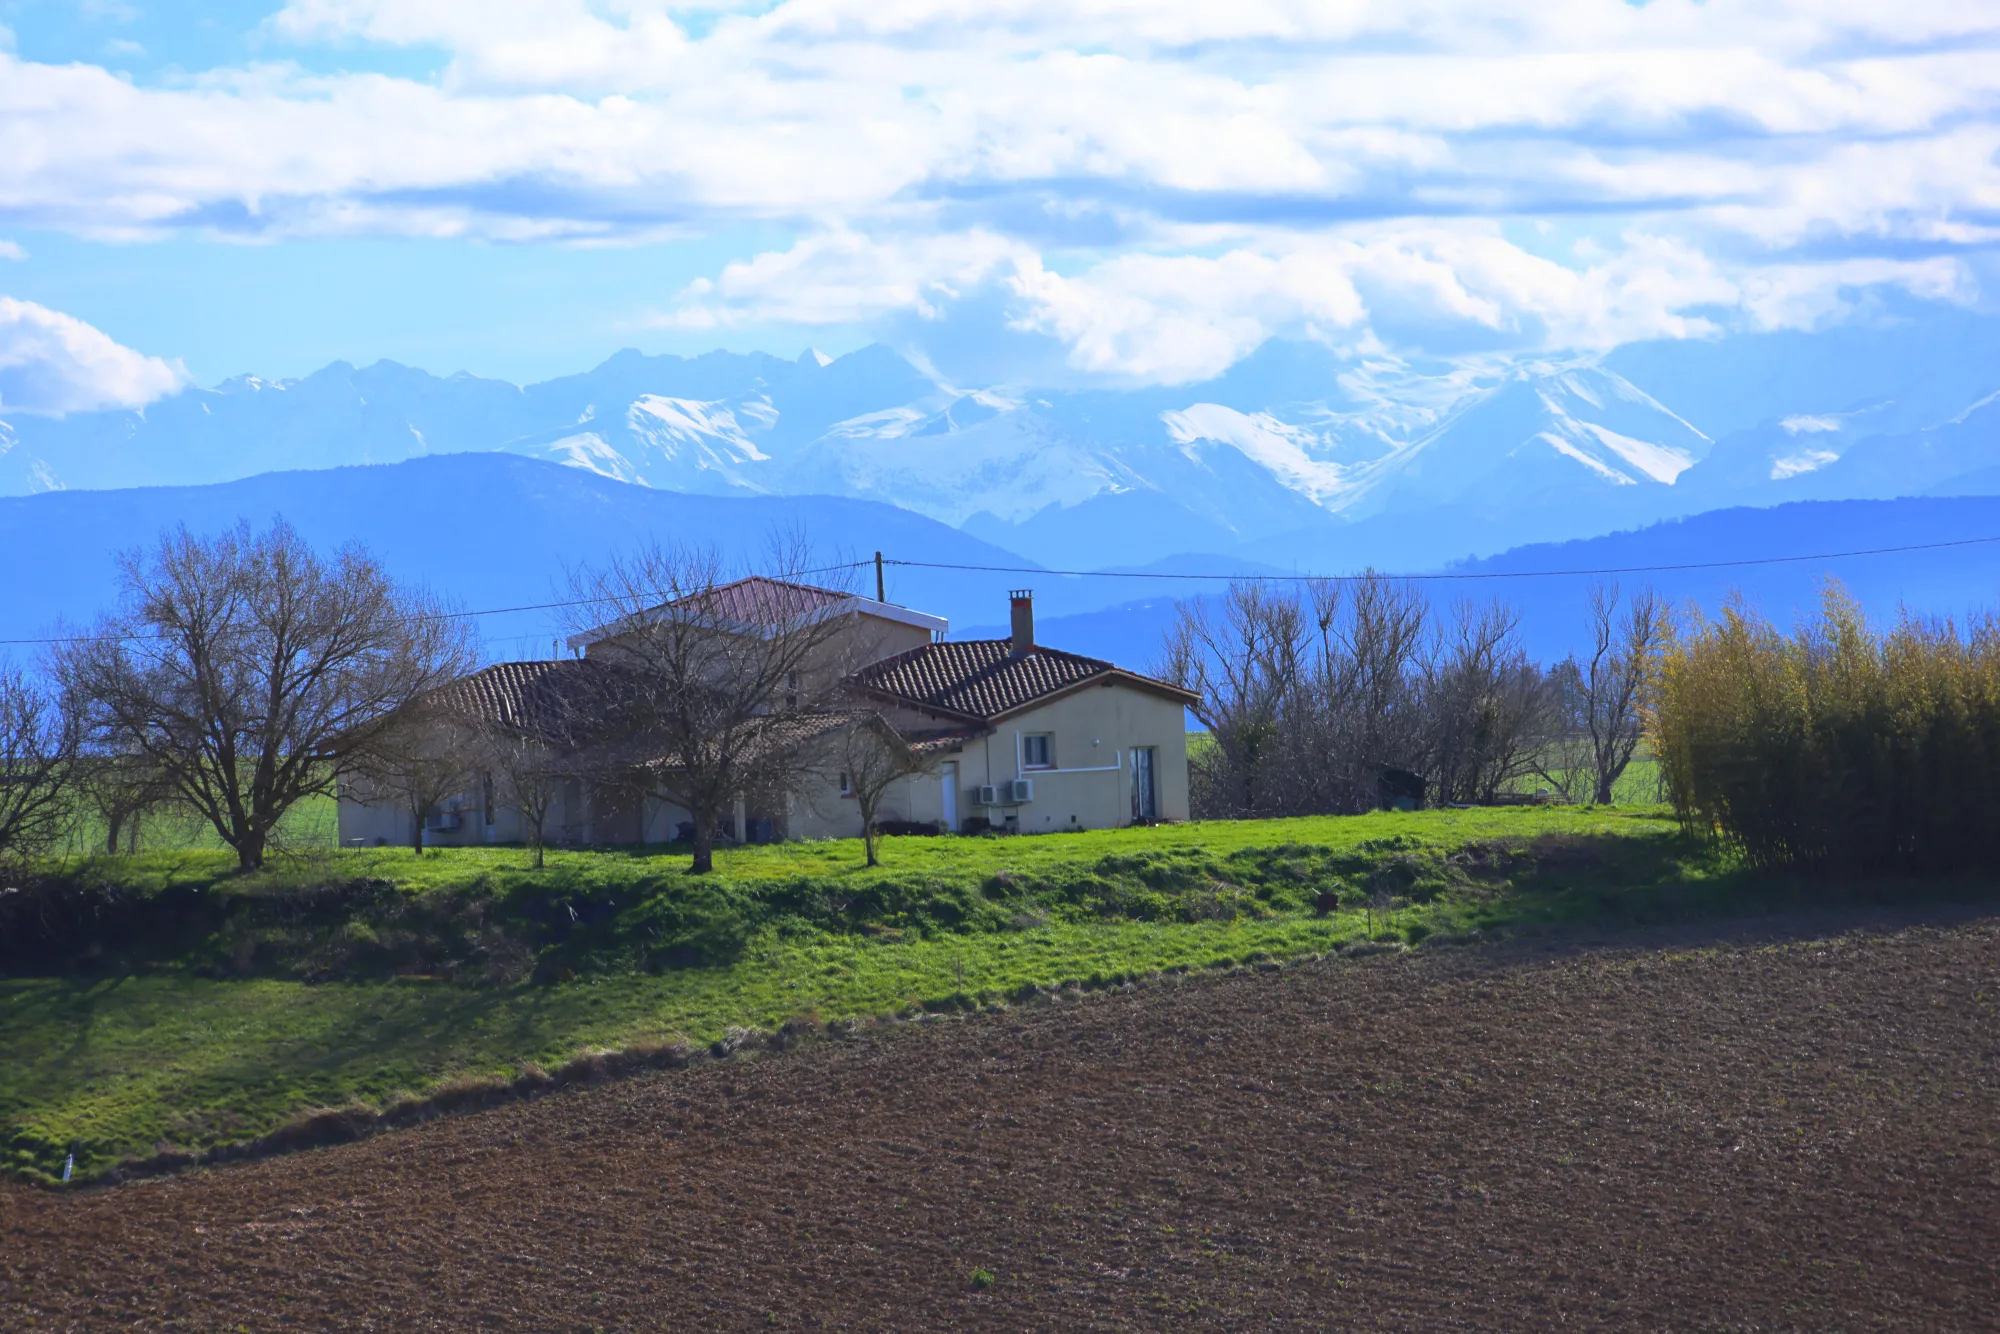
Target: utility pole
x,y
881,593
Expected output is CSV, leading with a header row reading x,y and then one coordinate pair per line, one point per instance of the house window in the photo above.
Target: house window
x,y
792,692
847,785
1038,751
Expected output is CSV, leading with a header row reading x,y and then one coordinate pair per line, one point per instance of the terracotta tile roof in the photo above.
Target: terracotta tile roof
x,y
985,679
761,601
746,603
553,700
943,742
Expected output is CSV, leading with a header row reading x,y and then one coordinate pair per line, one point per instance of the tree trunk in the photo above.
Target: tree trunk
x,y
1607,777
250,853
535,835
868,830
417,832
704,842
111,838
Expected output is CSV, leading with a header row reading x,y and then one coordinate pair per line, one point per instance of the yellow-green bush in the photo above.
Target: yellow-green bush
x,y
1838,748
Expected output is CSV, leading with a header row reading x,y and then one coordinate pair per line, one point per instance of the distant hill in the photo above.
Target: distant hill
x,y
498,530
1951,581
491,530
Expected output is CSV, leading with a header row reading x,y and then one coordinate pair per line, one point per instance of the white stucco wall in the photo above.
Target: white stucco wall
x,y
1093,731
579,816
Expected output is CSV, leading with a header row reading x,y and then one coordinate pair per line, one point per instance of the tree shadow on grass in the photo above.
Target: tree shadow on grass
x,y
1743,908
38,1009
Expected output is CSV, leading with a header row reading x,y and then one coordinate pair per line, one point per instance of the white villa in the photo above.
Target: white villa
x,y
1011,735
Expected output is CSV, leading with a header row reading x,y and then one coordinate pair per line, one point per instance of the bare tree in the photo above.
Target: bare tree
x,y
722,673
1485,704
124,788
869,757
1243,661
253,673
1306,699
1368,680
1614,679
423,759
1561,755
528,774
1311,696
38,745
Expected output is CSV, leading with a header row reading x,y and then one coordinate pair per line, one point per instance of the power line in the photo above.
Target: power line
x,y
1448,574
427,617
1432,577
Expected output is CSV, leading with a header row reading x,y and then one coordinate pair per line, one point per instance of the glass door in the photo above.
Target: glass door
x,y
1145,802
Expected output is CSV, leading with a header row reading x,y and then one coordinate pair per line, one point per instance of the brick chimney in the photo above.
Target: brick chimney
x,y
1024,619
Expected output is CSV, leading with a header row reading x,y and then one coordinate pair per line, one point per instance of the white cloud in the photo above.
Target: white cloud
x,y
1805,296
1188,317
843,278
1175,318
564,118
12,250
1158,184
1184,317
55,363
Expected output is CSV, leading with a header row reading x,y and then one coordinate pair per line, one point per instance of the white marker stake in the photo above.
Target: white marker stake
x,y
69,1165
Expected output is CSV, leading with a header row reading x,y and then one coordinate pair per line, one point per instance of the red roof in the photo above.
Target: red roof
x,y
552,700
986,679
761,601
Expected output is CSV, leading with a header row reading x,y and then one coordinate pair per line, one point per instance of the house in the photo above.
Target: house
x,y
1029,738
1005,734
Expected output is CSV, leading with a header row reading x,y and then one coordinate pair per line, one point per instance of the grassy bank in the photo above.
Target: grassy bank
x,y
258,1008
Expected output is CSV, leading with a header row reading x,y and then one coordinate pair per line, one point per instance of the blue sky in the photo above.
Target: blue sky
x,y
1101,190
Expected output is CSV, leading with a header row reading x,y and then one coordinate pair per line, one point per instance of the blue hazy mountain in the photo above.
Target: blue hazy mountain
x,y
486,530
498,530
1958,582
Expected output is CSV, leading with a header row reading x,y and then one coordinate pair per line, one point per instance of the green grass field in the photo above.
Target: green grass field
x,y
312,825
218,1036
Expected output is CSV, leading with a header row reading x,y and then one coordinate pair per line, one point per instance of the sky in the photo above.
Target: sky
x,y
1080,191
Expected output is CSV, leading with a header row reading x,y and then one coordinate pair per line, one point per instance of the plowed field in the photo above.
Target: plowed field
x,y
1743,1136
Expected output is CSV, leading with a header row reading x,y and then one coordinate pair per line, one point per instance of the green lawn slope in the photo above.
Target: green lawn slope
x,y
343,977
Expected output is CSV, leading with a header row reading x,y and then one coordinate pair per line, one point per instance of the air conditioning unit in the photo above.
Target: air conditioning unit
x,y
1020,790
440,821
989,795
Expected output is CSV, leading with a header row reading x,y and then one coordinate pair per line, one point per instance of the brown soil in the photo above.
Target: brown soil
x,y
1790,1137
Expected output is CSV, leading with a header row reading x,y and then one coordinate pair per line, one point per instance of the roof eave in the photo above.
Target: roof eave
x,y
1115,676
895,697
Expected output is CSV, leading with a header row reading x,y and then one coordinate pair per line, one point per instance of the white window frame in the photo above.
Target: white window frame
x,y
1048,760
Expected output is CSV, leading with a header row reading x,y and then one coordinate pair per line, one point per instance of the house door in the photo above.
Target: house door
x,y
951,798
1145,801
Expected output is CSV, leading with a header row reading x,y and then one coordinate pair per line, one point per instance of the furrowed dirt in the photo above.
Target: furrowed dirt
x,y
1796,1136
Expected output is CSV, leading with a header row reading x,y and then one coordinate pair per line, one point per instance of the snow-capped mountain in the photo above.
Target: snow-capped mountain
x,y
1296,449
1541,435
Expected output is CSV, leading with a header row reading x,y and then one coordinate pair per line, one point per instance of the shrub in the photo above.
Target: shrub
x,y
1837,748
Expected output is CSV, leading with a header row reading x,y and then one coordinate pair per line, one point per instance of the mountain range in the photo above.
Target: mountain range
x,y
1298,457
498,531
1932,556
